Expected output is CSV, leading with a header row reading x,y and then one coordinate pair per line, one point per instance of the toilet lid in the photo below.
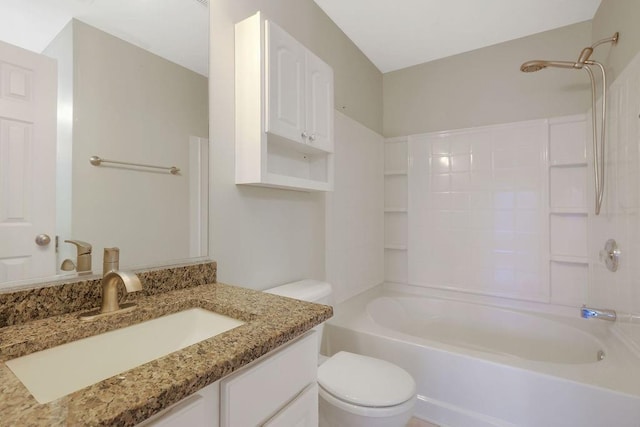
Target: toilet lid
x,y
365,381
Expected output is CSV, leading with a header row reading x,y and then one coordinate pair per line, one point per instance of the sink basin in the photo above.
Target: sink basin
x,y
58,371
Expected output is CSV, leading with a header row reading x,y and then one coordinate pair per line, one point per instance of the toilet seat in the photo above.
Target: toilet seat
x,y
356,382
365,411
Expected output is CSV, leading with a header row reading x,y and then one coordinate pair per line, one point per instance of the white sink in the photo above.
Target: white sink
x,y
58,371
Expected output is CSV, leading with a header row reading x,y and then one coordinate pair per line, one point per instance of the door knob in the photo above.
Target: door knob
x,y
43,239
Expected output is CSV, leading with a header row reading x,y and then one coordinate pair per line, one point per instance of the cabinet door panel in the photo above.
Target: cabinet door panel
x,y
319,97
268,384
301,412
285,89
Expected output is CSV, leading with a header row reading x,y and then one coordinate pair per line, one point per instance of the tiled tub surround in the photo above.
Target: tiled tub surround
x,y
496,211
75,294
130,398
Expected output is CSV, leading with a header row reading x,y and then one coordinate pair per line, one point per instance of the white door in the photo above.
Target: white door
x,y
319,98
285,89
28,108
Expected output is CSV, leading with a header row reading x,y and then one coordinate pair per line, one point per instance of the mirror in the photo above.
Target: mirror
x,y
132,87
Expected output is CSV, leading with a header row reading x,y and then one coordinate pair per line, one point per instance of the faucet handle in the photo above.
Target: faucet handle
x,y
110,260
82,247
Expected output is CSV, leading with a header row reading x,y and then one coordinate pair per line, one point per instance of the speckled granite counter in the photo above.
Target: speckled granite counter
x,y
128,399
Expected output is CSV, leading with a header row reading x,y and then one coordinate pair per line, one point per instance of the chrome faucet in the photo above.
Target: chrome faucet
x,y
110,280
598,313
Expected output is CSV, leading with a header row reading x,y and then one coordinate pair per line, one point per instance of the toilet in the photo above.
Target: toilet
x,y
355,390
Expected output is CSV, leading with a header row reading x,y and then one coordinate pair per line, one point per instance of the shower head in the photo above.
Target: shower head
x,y
537,65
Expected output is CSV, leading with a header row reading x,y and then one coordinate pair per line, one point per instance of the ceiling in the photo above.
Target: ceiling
x,y
177,30
396,34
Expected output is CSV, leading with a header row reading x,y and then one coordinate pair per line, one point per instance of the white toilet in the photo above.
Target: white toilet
x,y
355,390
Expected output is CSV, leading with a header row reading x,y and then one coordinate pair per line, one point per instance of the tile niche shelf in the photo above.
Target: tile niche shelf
x,y
284,110
568,211
396,209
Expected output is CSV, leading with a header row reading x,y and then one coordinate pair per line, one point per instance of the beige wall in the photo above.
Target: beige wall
x,y
621,16
485,86
261,236
131,105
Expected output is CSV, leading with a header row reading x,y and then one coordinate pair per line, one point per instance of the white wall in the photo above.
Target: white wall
x,y
61,48
262,237
354,211
486,86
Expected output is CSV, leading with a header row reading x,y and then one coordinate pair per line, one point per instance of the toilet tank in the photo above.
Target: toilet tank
x,y
308,290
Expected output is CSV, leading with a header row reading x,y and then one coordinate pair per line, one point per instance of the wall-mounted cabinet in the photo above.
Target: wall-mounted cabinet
x,y
284,110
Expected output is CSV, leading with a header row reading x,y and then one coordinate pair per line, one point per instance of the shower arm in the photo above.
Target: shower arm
x,y
599,154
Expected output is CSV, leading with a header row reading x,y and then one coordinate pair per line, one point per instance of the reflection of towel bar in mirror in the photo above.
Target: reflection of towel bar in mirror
x,y
97,161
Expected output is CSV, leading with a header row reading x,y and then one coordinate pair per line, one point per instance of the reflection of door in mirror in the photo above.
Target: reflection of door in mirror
x,y
27,164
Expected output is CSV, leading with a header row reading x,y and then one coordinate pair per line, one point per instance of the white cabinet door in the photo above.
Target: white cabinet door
x,y
301,412
258,391
319,99
201,409
28,111
285,89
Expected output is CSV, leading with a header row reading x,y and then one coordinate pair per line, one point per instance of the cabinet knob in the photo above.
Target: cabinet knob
x,y
304,134
312,137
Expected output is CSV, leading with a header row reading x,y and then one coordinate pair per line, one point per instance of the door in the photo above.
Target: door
x,y
285,90
319,98
28,106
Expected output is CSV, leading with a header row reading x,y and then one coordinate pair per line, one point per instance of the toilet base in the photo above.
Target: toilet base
x,y
335,413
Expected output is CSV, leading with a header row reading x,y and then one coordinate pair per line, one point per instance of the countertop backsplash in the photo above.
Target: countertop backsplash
x,y
76,294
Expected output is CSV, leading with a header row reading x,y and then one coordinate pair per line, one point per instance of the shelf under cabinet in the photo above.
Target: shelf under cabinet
x,y
395,247
286,182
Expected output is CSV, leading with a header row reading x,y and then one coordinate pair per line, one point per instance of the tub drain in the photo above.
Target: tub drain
x,y
600,355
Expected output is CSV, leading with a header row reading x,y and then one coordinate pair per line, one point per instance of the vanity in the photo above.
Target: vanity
x,y
234,378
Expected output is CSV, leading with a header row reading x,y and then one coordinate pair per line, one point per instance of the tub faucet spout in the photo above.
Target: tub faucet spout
x,y
598,313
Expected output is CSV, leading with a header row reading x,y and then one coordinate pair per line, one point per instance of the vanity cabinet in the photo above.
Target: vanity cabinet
x,y
276,390
284,110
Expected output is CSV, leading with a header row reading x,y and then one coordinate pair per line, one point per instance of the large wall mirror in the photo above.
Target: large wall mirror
x,y
123,80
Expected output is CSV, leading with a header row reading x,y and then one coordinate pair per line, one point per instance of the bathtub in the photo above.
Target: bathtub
x,y
478,365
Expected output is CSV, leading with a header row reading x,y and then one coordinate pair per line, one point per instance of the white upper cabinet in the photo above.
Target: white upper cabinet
x,y
284,110
299,91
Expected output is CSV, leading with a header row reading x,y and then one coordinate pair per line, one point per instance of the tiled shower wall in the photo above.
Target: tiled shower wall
x,y
496,210
620,215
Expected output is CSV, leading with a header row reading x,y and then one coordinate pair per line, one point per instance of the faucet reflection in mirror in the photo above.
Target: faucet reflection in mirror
x,y
111,278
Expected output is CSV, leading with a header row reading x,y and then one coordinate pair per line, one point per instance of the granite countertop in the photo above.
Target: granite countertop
x,y
130,398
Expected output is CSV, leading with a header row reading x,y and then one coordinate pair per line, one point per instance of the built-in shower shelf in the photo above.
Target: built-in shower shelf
x,y
568,164
395,210
570,259
569,211
395,172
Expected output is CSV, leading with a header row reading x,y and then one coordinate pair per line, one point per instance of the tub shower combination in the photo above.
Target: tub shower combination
x,y
477,365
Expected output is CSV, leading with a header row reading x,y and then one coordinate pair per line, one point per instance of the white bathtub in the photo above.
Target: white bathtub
x,y
477,365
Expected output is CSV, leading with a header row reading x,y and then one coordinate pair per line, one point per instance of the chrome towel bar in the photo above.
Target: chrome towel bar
x,y
97,161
